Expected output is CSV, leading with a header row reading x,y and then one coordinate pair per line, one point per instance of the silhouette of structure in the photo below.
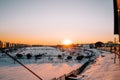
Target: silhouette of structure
x,y
117,22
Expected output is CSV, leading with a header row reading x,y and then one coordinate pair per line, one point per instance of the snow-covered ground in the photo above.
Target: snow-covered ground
x,y
47,71
45,68
103,69
41,50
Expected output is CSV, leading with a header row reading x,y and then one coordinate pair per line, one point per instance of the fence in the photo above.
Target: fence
x,y
73,73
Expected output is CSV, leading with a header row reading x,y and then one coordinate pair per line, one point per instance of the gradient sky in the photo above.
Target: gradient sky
x,y
51,21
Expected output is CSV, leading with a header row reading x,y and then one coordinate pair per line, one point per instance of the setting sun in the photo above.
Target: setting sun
x,y
67,42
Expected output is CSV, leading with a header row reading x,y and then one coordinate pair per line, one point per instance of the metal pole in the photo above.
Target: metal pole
x,y
119,50
115,50
119,29
23,65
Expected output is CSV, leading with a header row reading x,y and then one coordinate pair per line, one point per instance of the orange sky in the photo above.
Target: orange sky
x,y
50,22
34,40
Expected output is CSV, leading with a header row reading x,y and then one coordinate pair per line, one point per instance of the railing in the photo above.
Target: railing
x,y
74,72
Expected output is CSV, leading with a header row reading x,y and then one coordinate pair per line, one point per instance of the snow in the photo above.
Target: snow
x,y
45,69
40,50
103,69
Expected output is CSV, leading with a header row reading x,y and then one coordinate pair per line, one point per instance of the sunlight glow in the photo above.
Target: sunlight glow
x,y
67,42
49,22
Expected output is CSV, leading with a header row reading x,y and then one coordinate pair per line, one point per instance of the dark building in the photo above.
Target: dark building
x,y
116,17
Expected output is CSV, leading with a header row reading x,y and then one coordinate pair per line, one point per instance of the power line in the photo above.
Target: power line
x,y
23,65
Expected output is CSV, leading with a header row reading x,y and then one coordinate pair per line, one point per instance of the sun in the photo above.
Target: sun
x,y
66,42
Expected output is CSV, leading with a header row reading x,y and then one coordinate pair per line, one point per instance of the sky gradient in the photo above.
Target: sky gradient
x,y
52,21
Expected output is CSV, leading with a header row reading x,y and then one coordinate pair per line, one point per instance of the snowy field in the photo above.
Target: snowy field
x,y
103,69
46,70
45,67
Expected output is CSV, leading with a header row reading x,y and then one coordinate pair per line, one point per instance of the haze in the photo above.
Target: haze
x,y
51,21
